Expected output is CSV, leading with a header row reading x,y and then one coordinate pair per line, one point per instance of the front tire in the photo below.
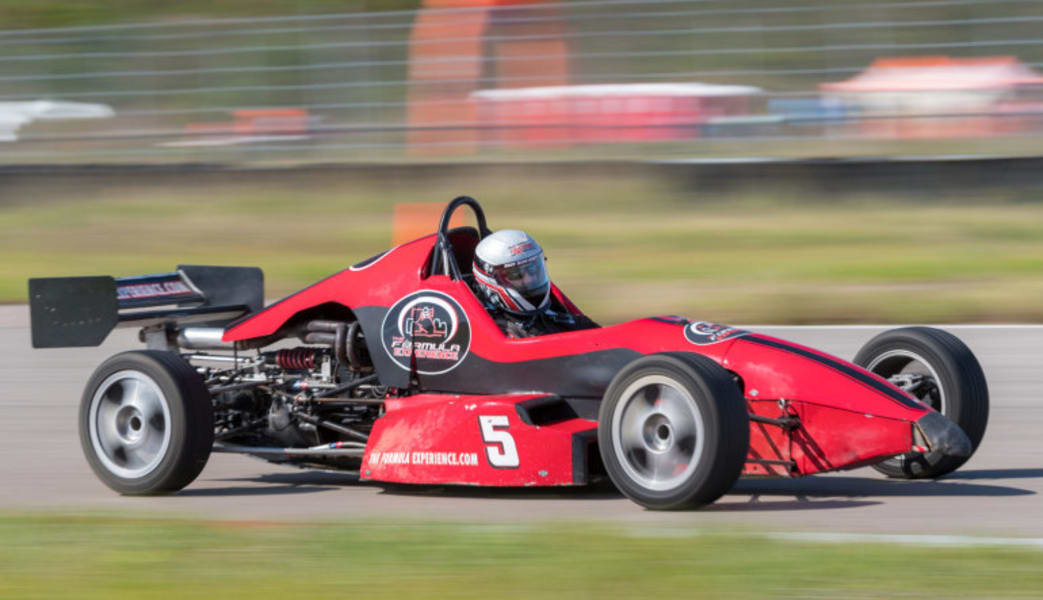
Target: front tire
x,y
146,423
673,431
946,376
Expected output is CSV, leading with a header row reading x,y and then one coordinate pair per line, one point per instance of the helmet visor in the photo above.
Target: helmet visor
x,y
528,277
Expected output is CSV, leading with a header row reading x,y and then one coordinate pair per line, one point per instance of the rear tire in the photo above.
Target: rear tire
x,y
673,431
146,423
955,386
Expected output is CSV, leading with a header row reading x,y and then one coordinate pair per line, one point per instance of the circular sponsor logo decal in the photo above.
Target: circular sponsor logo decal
x,y
428,327
703,333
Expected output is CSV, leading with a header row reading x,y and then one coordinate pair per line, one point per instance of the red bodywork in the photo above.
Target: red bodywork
x,y
491,410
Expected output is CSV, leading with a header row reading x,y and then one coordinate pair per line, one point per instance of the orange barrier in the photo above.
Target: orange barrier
x,y
258,121
464,50
284,121
412,220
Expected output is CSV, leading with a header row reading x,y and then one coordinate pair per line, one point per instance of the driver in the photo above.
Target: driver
x,y
511,278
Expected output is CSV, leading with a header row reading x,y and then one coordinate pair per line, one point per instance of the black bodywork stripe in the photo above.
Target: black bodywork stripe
x,y
538,406
547,410
836,365
369,260
670,320
581,375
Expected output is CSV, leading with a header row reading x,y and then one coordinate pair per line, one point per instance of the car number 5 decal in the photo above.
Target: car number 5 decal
x,y
500,448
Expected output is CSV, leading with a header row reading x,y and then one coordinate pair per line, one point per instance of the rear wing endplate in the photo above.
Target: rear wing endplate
x,y
81,311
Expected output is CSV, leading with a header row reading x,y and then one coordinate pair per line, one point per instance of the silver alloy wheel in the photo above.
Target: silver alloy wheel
x,y
903,362
657,433
129,424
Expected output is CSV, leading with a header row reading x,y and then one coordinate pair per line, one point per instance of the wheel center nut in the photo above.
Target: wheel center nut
x,y
657,433
663,432
130,425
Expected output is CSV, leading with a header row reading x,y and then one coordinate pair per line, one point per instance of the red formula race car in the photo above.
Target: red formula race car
x,y
401,375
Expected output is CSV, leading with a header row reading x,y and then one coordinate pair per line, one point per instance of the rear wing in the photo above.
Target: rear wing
x,y
81,311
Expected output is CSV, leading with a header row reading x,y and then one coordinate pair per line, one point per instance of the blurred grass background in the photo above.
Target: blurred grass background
x,y
621,246
73,13
45,557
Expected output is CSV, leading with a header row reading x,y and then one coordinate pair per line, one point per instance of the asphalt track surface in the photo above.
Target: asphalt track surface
x,y
998,493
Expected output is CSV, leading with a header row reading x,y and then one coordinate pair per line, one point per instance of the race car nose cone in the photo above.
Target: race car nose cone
x,y
943,435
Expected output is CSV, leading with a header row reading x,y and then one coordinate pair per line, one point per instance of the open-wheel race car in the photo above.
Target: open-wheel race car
x,y
393,368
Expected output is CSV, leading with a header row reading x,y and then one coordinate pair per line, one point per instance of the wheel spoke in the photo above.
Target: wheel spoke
x,y
664,466
149,448
119,454
637,412
157,424
678,458
673,406
143,398
639,458
135,458
105,422
630,437
131,390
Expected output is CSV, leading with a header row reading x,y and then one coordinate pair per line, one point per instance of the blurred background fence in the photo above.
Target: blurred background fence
x,y
572,80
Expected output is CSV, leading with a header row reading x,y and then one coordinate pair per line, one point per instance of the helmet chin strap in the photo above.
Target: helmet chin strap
x,y
523,303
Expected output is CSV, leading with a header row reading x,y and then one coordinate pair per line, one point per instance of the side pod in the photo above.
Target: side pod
x,y
506,440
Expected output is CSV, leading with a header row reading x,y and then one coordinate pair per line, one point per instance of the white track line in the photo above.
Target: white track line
x,y
893,326
844,160
910,539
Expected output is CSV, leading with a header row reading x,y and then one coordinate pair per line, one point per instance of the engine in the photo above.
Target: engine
x,y
308,404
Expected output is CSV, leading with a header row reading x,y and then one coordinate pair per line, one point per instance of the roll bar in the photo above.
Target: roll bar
x,y
443,254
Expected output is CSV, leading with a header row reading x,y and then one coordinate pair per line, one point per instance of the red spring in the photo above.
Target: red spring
x,y
297,359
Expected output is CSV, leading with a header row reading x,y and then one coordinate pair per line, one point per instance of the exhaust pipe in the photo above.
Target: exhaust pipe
x,y
203,338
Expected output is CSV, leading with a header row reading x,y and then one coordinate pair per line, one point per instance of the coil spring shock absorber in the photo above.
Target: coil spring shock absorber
x,y
298,359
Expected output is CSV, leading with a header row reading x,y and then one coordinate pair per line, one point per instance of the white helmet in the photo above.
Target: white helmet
x,y
509,271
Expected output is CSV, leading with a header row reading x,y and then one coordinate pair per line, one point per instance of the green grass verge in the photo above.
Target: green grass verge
x,y
93,557
622,248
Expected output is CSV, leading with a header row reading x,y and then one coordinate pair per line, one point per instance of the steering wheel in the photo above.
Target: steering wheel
x,y
443,255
